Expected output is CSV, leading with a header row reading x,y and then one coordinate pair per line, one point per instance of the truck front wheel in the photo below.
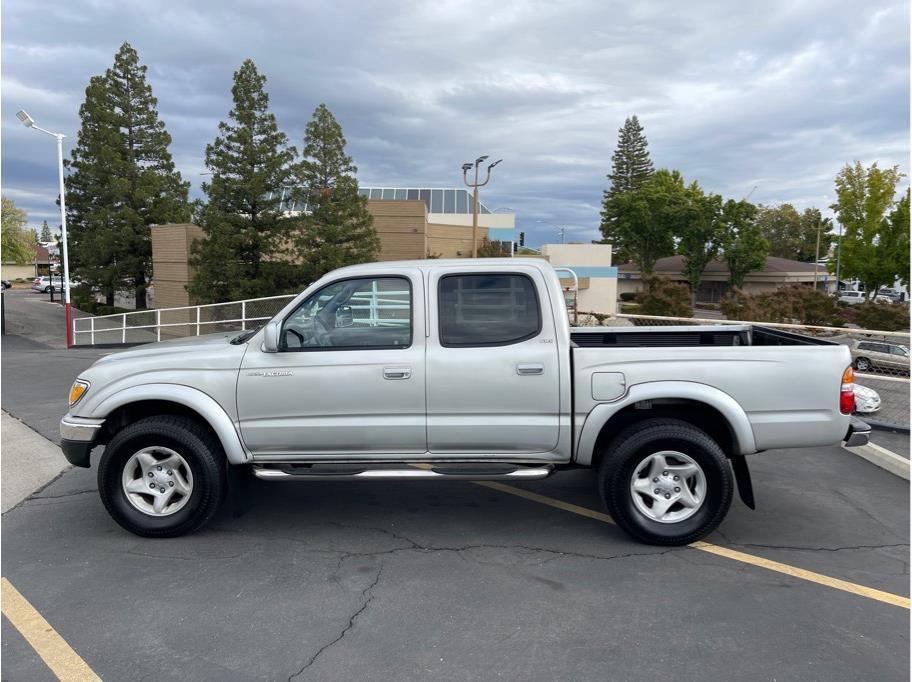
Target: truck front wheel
x,y
162,476
666,482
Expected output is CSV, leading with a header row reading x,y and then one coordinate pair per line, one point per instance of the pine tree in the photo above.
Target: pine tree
x,y
46,232
338,229
246,230
630,163
122,180
631,166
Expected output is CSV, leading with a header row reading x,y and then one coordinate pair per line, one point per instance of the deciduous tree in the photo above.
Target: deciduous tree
x,y
646,220
699,235
792,234
875,244
744,247
18,243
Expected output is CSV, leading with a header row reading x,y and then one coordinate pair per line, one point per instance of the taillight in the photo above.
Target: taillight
x,y
847,392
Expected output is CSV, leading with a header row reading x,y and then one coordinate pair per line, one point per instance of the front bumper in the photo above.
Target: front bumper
x,y
77,438
857,434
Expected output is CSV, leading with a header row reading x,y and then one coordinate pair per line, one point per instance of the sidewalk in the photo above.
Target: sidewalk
x,y
28,462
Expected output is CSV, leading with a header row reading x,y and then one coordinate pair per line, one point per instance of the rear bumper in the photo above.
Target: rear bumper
x,y
857,434
77,438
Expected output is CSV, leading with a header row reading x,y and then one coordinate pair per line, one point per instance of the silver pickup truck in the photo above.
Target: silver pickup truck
x,y
462,369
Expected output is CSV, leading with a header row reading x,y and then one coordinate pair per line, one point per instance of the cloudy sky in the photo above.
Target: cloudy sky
x,y
770,97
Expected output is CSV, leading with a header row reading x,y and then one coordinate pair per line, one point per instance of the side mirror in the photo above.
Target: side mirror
x,y
271,337
344,316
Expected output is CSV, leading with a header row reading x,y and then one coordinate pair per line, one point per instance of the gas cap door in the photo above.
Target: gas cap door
x,y
607,386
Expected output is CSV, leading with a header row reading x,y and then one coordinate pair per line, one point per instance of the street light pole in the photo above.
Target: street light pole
x,y
29,122
561,231
466,167
817,254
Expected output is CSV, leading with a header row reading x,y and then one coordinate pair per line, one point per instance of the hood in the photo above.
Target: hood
x,y
205,343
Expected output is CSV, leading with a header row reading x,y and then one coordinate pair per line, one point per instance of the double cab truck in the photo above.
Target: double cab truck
x,y
455,369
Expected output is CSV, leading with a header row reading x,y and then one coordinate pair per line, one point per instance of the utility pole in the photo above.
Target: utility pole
x,y
466,167
817,254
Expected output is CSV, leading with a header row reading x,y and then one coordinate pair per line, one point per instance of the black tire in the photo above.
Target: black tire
x,y
862,364
203,454
638,441
47,290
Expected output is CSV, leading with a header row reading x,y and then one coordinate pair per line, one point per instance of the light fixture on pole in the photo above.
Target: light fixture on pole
x,y
560,229
466,167
29,122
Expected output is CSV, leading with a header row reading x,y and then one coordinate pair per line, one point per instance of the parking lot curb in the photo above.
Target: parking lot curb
x,y
885,459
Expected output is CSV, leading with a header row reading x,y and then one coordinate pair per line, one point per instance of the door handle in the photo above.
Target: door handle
x,y
397,372
525,368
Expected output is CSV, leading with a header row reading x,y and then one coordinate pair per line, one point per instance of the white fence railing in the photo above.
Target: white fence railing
x,y
143,326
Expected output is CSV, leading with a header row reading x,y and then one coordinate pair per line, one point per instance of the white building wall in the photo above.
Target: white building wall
x,y
592,261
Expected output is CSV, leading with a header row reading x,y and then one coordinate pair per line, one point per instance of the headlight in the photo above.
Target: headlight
x,y
77,390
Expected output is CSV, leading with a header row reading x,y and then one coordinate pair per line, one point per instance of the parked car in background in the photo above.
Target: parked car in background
x,y
871,355
44,284
889,295
867,400
5,284
852,297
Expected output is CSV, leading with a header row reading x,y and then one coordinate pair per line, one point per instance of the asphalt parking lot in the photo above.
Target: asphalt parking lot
x,y
458,580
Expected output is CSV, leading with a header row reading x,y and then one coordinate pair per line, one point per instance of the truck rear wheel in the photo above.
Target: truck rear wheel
x,y
666,482
163,476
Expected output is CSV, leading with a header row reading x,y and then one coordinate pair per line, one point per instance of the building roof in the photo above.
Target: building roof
x,y
674,265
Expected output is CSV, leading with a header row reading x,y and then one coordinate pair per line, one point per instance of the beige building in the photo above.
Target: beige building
x,y
597,278
777,273
411,223
40,265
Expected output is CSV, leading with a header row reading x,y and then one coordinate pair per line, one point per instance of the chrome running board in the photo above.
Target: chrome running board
x,y
419,471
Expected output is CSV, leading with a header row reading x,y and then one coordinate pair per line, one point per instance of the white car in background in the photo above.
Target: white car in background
x,y
867,400
851,297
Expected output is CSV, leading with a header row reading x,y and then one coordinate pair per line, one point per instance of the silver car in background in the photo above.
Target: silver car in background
x,y
880,355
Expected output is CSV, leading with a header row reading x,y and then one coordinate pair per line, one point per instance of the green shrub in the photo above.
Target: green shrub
x,y
665,298
891,317
630,308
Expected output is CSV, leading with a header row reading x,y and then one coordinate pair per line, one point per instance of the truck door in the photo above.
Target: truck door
x,y
348,377
493,370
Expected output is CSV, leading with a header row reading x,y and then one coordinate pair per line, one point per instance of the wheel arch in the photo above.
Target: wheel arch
x,y
706,407
128,405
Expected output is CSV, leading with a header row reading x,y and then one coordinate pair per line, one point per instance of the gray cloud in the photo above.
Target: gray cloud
x,y
777,95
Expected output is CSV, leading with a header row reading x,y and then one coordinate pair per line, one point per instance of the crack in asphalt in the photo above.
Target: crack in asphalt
x,y
415,545
56,497
366,592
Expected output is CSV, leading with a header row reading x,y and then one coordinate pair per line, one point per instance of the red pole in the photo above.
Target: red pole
x,y
69,323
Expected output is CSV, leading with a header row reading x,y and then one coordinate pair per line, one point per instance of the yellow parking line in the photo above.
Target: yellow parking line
x,y
59,656
743,557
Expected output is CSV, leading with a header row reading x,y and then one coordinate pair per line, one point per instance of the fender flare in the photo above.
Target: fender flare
x,y
196,400
733,413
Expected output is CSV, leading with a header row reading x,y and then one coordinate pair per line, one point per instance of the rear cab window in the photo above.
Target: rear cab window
x,y
490,309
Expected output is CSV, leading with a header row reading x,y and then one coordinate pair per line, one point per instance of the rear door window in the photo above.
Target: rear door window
x,y
496,309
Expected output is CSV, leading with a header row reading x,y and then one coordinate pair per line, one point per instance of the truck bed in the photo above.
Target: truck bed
x,y
688,336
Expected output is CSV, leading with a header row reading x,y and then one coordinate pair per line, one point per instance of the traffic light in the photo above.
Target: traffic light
x,y
522,238
515,247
